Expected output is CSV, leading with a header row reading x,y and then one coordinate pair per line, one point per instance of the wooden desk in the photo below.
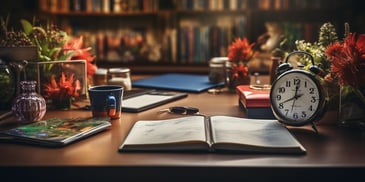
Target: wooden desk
x,y
335,154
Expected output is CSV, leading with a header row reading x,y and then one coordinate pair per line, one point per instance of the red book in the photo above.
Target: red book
x,y
255,101
251,97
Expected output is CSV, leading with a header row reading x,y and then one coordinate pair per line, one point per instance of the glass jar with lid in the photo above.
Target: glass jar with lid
x,y
100,77
217,70
120,76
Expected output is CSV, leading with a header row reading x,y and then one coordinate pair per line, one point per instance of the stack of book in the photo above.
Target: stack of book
x,y
255,101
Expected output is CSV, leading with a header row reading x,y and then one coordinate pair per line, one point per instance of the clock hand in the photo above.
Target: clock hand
x,y
295,96
299,95
288,99
296,90
292,106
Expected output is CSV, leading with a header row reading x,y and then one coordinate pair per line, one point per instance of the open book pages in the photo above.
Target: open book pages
x,y
257,135
186,133
216,133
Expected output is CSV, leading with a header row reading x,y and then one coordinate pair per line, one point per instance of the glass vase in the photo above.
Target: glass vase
x,y
352,107
236,75
332,90
29,106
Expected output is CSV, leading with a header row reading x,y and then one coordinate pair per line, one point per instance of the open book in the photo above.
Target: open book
x,y
215,133
55,132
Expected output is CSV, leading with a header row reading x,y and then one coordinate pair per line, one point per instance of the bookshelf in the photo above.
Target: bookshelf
x,y
185,33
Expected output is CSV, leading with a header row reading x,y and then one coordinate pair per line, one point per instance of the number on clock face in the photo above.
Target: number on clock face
x,y
295,98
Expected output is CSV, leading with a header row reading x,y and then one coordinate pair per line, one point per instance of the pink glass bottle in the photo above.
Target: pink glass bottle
x,y
29,106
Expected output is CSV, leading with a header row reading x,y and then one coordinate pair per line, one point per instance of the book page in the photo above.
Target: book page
x,y
184,129
258,133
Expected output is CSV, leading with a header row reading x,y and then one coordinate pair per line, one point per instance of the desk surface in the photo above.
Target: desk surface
x,y
335,153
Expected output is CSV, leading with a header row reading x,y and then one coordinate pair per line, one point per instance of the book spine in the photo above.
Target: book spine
x,y
106,6
96,5
214,41
209,131
173,36
205,43
183,44
197,45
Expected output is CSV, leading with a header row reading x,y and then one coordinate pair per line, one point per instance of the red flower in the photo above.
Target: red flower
x,y
240,51
67,87
239,71
348,60
75,46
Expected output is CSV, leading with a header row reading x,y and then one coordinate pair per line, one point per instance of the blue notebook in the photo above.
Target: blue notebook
x,y
178,82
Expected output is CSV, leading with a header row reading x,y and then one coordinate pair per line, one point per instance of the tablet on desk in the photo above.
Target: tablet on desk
x,y
141,100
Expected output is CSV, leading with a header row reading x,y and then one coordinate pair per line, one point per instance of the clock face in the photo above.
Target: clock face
x,y
297,98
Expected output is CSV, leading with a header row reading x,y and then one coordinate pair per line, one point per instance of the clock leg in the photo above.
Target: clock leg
x,y
314,127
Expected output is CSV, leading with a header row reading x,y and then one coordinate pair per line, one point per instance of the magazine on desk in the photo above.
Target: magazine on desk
x,y
55,132
211,134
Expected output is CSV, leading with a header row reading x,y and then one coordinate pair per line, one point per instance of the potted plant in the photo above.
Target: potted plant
x,y
240,52
54,50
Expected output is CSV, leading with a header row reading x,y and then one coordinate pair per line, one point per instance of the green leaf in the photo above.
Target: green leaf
x,y
27,26
66,56
359,94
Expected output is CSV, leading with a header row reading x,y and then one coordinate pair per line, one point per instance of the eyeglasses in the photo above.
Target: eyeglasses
x,y
181,110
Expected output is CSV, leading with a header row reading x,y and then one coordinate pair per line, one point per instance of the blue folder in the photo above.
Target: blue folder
x,y
178,82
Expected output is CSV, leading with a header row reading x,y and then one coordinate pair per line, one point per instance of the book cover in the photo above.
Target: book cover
x,y
178,82
143,99
55,132
253,97
211,134
257,112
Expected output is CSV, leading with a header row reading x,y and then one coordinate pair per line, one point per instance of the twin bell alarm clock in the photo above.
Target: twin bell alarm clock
x,y
297,97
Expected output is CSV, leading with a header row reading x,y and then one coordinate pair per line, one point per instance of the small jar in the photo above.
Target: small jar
x,y
277,57
29,106
100,77
120,76
217,69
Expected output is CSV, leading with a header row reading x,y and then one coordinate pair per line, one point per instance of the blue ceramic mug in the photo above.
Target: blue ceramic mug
x,y
106,100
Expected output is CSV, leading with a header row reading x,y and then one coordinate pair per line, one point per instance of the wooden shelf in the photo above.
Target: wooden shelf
x,y
104,14
164,20
159,68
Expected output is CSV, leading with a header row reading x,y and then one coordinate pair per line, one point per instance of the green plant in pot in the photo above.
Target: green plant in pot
x,y
48,38
16,49
53,48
